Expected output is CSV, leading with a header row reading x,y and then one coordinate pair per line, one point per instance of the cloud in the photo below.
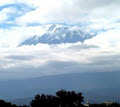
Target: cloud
x,y
34,61
71,12
95,12
19,57
6,2
107,60
6,13
12,36
24,18
106,39
77,46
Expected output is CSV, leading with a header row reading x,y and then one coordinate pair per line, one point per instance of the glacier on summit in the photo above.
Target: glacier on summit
x,y
57,34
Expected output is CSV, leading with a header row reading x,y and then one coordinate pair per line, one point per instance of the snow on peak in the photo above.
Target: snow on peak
x,y
56,34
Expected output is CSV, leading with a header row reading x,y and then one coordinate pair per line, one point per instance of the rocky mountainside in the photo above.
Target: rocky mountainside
x,y
56,34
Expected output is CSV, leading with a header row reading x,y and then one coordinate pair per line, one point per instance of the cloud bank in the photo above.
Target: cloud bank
x,y
20,19
45,60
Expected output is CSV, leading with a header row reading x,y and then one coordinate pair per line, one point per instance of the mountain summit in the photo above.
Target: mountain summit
x,y
56,34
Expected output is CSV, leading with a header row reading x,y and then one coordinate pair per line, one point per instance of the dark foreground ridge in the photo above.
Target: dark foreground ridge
x,y
62,98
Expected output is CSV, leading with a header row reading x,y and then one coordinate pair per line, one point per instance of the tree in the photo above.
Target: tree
x,y
69,98
45,101
6,104
63,98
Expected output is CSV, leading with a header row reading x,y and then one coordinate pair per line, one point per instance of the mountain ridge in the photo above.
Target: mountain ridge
x,y
57,34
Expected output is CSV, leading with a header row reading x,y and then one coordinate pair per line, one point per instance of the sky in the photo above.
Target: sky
x,y
20,19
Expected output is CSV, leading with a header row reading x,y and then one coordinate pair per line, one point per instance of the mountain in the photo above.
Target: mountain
x,y
96,86
56,34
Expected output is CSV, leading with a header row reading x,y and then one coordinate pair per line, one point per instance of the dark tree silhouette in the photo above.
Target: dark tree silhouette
x,y
114,104
6,104
45,101
69,98
62,99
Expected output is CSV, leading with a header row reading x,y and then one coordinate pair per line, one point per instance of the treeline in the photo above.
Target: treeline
x,y
8,104
62,98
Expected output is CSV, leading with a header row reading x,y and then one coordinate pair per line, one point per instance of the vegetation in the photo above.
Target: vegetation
x,y
62,98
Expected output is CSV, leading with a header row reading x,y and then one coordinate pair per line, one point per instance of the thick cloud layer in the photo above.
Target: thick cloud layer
x,y
20,19
62,11
43,60
72,11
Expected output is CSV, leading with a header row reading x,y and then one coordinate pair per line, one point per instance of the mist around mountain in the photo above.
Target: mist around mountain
x,y
57,34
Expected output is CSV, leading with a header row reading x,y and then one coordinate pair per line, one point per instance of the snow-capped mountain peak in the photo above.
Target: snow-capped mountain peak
x,y
56,34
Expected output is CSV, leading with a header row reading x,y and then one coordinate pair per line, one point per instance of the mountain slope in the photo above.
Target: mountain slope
x,y
56,34
97,86
48,84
